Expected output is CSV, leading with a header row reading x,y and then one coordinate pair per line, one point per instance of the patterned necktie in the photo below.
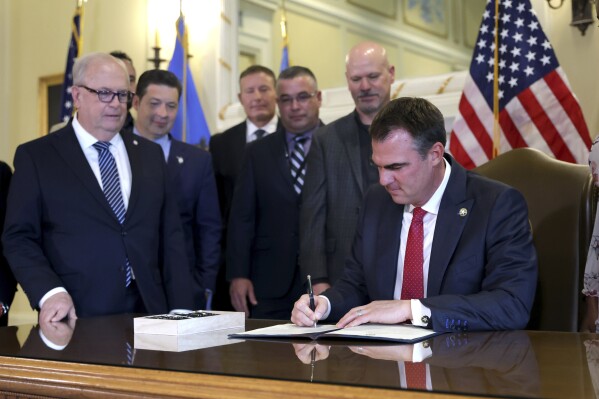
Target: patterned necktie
x,y
298,163
415,375
111,186
259,133
413,285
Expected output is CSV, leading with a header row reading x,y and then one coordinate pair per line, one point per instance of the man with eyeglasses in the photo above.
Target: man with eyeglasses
x,y
92,228
262,241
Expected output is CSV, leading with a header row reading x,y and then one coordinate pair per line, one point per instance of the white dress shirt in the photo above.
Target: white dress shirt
x,y
269,128
429,223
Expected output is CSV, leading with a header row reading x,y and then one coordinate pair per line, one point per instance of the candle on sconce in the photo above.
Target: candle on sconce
x,y
157,39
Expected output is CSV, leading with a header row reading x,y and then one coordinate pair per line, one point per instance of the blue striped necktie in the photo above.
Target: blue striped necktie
x,y
298,163
111,185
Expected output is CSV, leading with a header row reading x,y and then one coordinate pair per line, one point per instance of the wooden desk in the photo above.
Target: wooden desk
x,y
96,363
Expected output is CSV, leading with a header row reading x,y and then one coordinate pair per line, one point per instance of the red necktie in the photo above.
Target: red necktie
x,y
415,375
413,285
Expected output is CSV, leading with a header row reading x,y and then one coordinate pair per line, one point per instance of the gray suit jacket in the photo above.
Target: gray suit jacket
x,y
331,199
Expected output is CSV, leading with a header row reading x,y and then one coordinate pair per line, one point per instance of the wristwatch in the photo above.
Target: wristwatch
x,y
3,309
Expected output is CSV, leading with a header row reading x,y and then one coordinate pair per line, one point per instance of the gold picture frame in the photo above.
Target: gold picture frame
x,y
386,8
49,92
431,18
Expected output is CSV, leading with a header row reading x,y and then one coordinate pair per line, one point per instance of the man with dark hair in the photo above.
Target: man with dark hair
x,y
190,174
436,245
262,241
132,79
258,98
92,227
340,168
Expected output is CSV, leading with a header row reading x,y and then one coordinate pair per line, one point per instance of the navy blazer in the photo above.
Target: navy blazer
x,y
483,264
262,239
61,231
190,173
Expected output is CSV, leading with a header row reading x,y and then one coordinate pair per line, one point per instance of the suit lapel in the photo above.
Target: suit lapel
x,y
176,159
66,144
391,222
132,146
454,211
349,136
278,149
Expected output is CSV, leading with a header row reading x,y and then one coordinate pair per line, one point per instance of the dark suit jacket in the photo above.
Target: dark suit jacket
x,y
190,172
8,284
331,198
227,149
262,240
61,231
483,265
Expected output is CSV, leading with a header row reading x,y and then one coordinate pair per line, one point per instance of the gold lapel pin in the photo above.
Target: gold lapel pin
x,y
463,212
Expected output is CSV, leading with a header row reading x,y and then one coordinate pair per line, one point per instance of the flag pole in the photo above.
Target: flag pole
x,y
79,37
184,45
496,127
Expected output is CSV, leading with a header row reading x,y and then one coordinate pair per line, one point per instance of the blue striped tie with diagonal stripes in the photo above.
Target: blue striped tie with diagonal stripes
x,y
298,163
111,186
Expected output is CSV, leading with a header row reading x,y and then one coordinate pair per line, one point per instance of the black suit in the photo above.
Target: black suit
x,y
483,265
227,149
61,231
8,284
190,173
262,241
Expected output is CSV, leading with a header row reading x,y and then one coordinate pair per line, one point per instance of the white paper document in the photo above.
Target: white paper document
x,y
396,333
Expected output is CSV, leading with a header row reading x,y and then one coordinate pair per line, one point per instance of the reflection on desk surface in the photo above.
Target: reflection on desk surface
x,y
516,364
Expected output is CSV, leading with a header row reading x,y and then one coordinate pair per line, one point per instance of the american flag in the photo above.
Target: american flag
x,y
536,106
74,48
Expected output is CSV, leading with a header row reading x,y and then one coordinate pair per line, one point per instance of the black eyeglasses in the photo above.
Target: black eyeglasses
x,y
301,98
106,96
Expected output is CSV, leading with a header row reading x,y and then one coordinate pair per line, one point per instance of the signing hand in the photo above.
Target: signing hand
x,y
301,314
57,307
384,312
242,288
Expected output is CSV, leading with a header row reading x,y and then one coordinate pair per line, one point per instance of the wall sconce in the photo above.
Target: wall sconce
x,y
582,14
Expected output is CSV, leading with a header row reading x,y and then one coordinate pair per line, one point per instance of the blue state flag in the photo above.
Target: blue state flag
x,y
74,48
284,58
190,125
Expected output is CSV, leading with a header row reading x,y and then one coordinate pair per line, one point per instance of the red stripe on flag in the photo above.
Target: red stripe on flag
x,y
476,127
570,104
459,153
510,130
545,127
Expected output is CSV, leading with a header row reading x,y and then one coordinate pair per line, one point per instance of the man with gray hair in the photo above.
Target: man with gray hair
x,y
91,227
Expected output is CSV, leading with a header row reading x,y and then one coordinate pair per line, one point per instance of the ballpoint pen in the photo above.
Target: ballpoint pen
x,y
312,363
311,294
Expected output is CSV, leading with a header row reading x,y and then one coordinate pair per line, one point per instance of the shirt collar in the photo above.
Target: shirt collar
x,y
433,204
85,138
270,127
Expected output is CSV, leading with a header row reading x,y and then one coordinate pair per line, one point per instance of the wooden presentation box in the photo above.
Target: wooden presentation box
x,y
188,323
